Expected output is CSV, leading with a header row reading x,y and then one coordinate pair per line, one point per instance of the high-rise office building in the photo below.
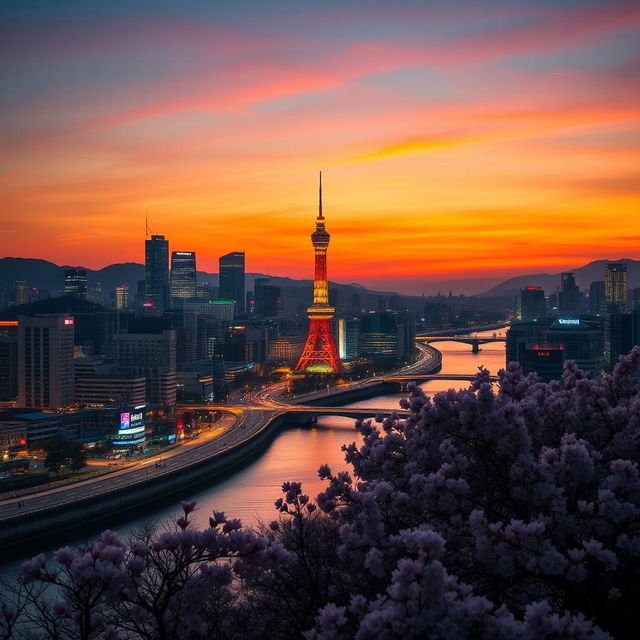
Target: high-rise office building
x,y
569,296
268,299
95,293
45,361
618,337
22,293
386,333
582,341
75,282
521,334
348,337
122,297
183,276
152,355
156,273
615,284
8,359
531,304
231,271
597,299
220,311
236,346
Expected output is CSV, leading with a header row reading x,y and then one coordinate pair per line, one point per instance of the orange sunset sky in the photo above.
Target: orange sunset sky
x,y
457,140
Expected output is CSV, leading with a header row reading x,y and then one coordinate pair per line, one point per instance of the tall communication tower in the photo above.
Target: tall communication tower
x,y
320,353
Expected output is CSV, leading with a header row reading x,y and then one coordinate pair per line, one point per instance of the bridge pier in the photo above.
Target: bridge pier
x,y
475,346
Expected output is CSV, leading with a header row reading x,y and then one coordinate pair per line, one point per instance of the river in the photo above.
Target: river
x,y
295,454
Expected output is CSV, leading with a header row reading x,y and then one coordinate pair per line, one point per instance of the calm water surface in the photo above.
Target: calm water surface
x,y
296,454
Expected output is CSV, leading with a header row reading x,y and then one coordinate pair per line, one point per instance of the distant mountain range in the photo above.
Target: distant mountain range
x,y
47,275
551,281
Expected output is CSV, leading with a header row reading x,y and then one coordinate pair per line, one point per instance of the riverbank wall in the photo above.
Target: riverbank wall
x,y
103,506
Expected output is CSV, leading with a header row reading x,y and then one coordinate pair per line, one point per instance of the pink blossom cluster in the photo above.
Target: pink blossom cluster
x,y
162,586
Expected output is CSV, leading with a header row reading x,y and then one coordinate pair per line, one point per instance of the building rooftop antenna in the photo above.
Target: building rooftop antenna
x,y
147,230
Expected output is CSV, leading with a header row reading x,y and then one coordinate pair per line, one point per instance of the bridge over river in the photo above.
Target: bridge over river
x,y
475,342
426,377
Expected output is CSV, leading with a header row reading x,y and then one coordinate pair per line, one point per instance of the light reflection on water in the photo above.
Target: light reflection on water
x,y
297,453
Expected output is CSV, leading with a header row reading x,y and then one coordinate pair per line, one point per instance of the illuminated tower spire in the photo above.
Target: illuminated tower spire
x,y
320,351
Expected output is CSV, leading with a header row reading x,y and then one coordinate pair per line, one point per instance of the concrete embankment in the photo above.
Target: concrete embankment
x,y
102,506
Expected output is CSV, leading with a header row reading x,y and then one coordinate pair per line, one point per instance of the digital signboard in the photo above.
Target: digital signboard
x,y
131,427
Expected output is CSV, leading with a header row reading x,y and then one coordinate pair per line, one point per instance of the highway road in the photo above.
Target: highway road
x,y
238,424
230,430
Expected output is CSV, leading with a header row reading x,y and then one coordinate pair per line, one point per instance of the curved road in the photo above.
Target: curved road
x,y
235,429
237,425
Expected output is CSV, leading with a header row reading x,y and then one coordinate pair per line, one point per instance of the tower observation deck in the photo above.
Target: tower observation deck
x,y
320,353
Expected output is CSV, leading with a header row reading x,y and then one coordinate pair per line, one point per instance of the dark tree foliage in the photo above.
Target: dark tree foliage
x,y
495,514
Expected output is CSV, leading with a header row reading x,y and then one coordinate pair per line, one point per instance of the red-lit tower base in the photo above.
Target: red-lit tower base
x,y
320,349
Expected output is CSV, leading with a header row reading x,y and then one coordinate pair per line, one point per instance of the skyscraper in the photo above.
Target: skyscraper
x,y
386,333
268,299
320,348
569,297
156,273
183,276
618,337
615,284
231,270
8,359
152,355
122,297
45,361
22,293
530,304
597,297
75,282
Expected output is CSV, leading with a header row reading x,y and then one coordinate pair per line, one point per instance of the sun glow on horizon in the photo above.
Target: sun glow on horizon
x,y
456,142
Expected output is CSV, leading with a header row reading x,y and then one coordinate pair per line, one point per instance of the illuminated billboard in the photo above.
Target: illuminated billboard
x,y
131,427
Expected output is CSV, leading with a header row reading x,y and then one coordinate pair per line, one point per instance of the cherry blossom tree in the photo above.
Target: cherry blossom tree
x,y
528,497
490,513
165,586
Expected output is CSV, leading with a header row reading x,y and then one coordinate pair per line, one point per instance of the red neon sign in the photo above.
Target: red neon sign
x,y
68,321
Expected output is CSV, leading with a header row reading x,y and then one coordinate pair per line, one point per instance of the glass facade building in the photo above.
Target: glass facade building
x,y
75,283
615,284
156,273
183,276
231,270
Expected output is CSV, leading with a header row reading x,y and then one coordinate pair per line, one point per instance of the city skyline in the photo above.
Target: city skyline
x,y
472,138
